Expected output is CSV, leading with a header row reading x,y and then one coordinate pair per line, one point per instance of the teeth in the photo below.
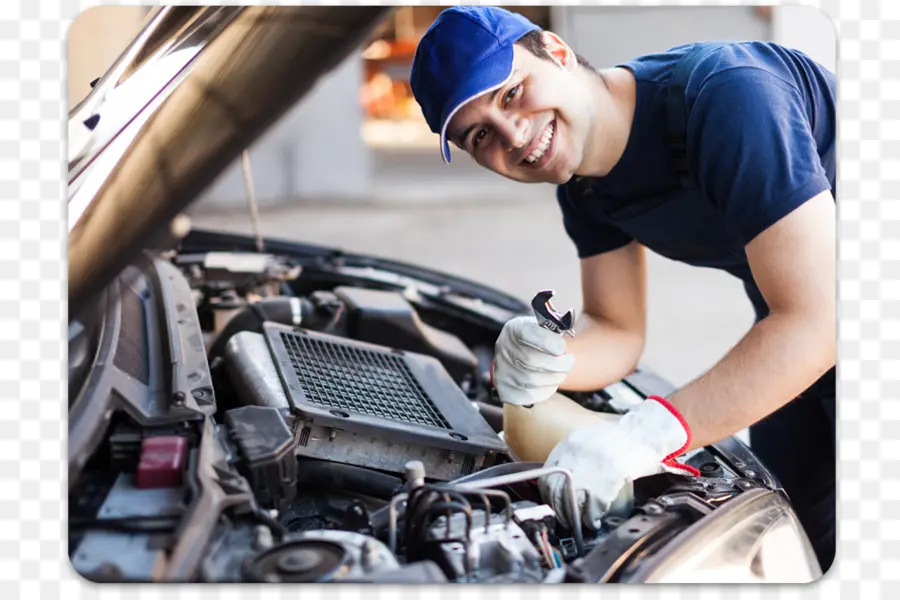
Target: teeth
x,y
542,147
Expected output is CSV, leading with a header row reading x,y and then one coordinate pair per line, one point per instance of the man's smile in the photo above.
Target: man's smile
x,y
541,148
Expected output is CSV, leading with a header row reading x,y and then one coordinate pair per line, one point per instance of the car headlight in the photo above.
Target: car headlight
x,y
754,538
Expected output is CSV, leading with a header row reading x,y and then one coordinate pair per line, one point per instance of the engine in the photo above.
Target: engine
x,y
319,396
330,429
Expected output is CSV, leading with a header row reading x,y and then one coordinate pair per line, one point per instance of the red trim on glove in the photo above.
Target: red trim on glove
x,y
670,459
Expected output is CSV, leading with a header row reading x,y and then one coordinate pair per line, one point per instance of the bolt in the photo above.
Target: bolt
x,y
744,484
750,473
664,500
415,473
652,509
179,398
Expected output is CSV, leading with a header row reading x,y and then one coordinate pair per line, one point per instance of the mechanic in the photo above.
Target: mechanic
x,y
718,155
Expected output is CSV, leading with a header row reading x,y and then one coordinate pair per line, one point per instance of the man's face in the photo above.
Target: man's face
x,y
535,127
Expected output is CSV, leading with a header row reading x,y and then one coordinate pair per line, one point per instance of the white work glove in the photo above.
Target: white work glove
x,y
645,441
530,362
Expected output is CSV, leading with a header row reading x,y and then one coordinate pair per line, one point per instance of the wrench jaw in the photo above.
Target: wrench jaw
x,y
549,318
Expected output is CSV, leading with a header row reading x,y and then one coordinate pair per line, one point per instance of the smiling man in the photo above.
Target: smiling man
x,y
716,155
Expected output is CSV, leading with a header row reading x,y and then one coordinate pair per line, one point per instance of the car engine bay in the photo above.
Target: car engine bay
x,y
295,416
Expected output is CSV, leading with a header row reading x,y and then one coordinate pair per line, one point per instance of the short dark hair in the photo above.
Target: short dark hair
x,y
534,43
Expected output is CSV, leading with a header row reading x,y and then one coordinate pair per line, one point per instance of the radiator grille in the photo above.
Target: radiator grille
x,y
358,380
131,355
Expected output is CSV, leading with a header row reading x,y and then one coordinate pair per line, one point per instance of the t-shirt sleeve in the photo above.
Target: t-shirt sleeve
x,y
752,149
590,234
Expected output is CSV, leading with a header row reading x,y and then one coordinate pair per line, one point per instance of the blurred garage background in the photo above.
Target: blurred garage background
x,y
354,166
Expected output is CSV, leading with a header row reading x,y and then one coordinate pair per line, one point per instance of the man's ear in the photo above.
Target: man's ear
x,y
559,50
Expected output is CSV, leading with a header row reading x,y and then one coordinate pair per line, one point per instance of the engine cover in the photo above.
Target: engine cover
x,y
374,406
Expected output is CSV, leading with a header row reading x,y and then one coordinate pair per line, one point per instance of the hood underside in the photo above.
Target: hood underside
x,y
196,88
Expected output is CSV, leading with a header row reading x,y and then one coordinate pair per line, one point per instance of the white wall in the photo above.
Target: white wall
x,y
807,29
613,34
608,35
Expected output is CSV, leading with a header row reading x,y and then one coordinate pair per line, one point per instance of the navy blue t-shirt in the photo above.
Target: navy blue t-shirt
x,y
760,142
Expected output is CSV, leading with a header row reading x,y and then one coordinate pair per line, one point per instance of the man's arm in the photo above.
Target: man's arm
x,y
793,263
611,329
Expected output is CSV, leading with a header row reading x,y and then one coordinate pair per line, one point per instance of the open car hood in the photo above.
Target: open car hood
x,y
195,88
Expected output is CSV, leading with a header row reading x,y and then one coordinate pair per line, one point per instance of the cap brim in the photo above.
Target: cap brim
x,y
491,73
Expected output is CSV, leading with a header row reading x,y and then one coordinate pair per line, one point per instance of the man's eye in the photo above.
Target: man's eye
x,y
479,135
512,93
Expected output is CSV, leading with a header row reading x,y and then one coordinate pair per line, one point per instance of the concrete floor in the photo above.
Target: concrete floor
x,y
468,222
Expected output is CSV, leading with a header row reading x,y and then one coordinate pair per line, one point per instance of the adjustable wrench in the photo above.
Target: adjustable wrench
x,y
547,316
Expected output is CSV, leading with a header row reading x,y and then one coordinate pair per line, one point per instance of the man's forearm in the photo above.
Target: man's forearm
x,y
603,354
778,359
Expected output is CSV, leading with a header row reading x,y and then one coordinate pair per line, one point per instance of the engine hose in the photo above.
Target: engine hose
x,y
380,519
349,477
280,309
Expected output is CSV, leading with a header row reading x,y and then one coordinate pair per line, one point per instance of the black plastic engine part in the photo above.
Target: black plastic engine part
x,y
279,309
387,318
266,447
376,407
711,468
336,476
329,509
604,562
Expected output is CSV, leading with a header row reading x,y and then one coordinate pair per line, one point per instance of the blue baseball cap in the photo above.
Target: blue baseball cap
x,y
466,52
